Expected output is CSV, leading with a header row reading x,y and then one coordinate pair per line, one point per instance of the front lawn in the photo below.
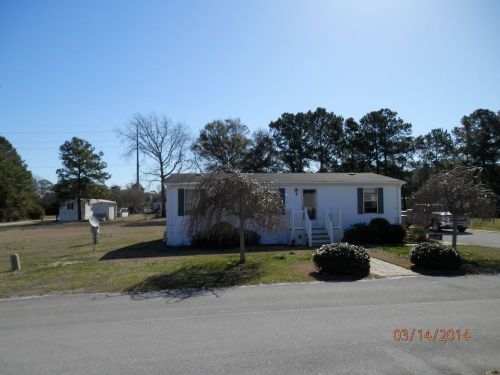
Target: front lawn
x,y
492,224
131,257
477,259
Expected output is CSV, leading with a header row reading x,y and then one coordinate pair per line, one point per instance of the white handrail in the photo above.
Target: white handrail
x,y
335,217
308,227
297,219
329,225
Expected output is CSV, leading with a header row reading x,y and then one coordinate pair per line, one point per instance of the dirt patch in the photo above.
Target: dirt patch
x,y
305,269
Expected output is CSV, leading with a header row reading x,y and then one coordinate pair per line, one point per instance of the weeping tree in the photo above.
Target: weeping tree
x,y
460,191
235,198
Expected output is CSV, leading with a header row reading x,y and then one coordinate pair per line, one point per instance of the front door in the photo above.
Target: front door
x,y
309,203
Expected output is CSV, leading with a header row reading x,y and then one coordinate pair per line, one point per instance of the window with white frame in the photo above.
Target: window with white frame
x,y
370,200
188,201
70,206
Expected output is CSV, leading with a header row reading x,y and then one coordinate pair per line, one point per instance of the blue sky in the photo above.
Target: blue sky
x,y
83,68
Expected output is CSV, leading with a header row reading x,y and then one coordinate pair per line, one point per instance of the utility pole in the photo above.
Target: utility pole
x,y
137,155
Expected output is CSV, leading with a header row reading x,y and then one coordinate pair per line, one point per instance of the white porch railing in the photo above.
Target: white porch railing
x,y
299,220
332,222
329,225
307,224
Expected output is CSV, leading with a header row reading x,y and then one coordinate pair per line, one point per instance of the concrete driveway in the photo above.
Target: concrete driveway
x,y
475,237
317,328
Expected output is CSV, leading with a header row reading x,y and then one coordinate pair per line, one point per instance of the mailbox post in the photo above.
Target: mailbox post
x,y
94,229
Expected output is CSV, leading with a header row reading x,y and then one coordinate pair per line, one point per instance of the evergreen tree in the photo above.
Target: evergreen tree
x,y
223,145
82,175
478,142
292,135
327,137
435,149
261,156
17,186
387,142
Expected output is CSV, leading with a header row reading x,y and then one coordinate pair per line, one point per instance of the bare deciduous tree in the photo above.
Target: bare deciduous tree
x,y
165,143
459,191
235,197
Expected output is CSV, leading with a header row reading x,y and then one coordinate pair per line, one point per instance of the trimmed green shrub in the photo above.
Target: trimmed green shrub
x,y
435,255
379,231
223,235
342,259
379,228
396,234
358,234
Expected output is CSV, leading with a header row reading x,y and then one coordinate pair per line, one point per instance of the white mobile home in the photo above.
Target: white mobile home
x,y
102,208
318,206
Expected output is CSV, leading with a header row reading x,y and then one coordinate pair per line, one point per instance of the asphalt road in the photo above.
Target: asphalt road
x,y
319,328
475,237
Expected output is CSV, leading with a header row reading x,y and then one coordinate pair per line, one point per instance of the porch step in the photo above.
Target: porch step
x,y
320,237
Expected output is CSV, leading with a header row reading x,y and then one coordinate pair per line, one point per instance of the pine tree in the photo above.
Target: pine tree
x,y
83,172
17,186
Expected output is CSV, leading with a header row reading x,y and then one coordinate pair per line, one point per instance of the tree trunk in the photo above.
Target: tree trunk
x,y
403,192
163,199
79,208
242,240
78,195
455,230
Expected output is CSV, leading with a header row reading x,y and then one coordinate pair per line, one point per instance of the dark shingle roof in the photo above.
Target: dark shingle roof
x,y
298,178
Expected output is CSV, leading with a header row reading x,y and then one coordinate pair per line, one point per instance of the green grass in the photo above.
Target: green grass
x,y
131,257
477,259
493,224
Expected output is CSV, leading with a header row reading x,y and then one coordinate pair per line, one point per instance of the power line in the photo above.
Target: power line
x,y
54,147
57,132
58,142
59,166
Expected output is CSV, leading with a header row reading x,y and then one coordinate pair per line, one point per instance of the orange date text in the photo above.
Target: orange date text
x,y
442,335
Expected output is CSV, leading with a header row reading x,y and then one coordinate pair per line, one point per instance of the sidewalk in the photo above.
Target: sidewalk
x,y
385,269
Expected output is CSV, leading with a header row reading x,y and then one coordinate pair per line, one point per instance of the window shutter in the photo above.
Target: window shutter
x,y
180,202
380,200
360,200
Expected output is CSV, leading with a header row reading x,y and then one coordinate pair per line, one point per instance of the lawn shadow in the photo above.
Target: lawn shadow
x,y
157,248
149,223
146,249
324,276
194,280
81,245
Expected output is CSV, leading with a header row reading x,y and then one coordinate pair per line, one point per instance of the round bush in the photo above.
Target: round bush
x,y
358,234
379,228
435,255
342,259
396,233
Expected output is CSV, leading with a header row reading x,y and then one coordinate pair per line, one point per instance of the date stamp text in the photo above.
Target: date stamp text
x,y
442,335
